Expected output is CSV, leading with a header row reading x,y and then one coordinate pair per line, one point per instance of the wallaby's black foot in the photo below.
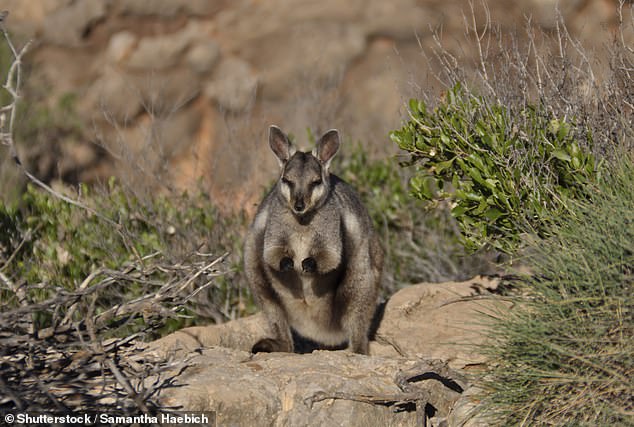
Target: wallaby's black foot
x,y
309,265
286,264
269,345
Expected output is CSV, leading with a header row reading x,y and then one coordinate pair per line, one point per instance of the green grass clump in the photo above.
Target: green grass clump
x,y
565,354
503,169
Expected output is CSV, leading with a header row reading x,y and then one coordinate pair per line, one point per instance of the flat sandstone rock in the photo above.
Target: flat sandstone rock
x,y
424,342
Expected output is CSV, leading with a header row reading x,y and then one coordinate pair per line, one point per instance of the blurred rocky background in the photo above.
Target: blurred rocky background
x,y
172,93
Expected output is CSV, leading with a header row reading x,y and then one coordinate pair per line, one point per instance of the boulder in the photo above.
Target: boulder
x,y
442,321
114,94
387,18
68,25
26,17
165,51
322,388
168,8
333,46
415,368
120,46
203,56
233,85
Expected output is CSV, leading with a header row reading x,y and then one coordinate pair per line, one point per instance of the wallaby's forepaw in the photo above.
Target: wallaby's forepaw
x,y
270,345
309,265
286,264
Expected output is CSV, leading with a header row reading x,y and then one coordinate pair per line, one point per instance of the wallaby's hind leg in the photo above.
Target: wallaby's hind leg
x,y
261,288
358,338
357,324
358,295
357,301
281,339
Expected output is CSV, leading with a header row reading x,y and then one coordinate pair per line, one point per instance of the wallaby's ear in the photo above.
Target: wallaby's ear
x,y
280,144
327,147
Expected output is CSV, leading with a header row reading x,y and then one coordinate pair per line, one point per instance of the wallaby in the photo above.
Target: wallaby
x,y
311,256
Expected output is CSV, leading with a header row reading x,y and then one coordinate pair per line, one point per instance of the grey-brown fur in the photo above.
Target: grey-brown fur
x,y
312,258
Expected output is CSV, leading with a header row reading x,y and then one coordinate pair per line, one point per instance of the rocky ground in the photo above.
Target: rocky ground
x,y
421,365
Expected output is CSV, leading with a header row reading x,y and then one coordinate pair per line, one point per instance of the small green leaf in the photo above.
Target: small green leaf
x,y
490,183
561,155
422,107
473,196
413,105
441,166
475,174
422,186
455,180
458,211
483,206
480,128
493,214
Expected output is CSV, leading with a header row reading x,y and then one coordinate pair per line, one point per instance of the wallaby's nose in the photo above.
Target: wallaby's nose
x,y
299,205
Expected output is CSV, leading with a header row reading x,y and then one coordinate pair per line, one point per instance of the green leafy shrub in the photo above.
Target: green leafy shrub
x,y
421,244
565,355
503,170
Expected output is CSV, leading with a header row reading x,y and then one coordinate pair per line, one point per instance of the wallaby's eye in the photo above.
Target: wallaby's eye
x,y
287,182
315,183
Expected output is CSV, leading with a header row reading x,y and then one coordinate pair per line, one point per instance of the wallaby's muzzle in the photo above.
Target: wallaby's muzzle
x,y
299,206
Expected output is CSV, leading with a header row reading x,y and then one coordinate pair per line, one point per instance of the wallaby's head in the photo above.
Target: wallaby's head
x,y
304,179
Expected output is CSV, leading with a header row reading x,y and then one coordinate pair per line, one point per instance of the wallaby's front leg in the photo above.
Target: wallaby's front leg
x,y
278,257
358,293
309,265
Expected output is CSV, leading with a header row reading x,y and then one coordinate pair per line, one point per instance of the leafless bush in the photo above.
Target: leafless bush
x,y
70,365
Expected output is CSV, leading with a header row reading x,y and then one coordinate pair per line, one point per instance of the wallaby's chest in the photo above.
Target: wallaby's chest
x,y
304,262
316,247
302,244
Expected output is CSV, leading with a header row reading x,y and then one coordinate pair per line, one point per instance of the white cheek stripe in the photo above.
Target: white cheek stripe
x,y
317,194
286,192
